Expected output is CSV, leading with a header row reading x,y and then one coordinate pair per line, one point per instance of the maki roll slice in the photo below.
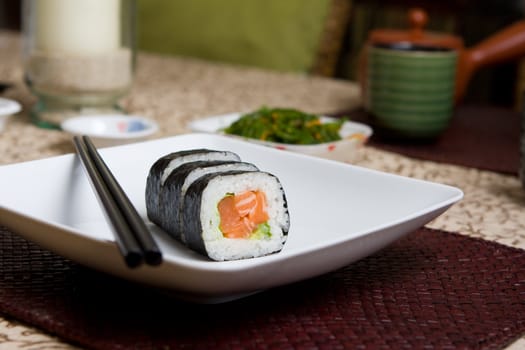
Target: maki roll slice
x,y
170,203
163,167
217,205
235,215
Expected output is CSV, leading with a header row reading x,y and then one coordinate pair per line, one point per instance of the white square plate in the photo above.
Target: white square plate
x,y
339,213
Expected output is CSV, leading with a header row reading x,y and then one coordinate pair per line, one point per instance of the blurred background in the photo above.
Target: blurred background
x,y
321,37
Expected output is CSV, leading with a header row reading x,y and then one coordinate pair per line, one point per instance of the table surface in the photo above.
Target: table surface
x,y
174,91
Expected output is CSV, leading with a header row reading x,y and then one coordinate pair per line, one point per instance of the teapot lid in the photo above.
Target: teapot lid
x,y
416,36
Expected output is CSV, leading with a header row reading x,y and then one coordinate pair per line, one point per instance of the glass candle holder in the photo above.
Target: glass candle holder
x,y
79,56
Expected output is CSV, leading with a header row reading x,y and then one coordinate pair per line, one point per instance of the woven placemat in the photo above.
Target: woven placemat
x,y
432,289
482,137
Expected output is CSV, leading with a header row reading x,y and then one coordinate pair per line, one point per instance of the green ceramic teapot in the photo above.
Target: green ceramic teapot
x,y
412,79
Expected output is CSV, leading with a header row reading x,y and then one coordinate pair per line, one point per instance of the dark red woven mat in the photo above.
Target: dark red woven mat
x,y
431,290
483,137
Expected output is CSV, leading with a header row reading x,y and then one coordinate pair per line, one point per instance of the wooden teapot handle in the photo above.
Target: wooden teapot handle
x,y
506,45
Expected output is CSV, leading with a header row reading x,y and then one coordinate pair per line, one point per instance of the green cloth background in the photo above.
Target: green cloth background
x,y
276,34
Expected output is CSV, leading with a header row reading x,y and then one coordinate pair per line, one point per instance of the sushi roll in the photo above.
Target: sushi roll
x,y
174,188
161,169
235,215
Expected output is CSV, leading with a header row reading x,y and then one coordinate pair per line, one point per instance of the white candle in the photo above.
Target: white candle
x,y
82,27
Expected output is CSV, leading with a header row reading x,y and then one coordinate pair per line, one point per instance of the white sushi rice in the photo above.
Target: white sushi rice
x,y
221,248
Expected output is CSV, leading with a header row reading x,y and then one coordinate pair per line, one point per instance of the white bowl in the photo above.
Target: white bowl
x,y
111,129
353,136
7,108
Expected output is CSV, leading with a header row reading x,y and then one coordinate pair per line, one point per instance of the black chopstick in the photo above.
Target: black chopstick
x,y
131,234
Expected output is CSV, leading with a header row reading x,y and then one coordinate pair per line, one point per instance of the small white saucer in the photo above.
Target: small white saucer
x,y
7,108
111,129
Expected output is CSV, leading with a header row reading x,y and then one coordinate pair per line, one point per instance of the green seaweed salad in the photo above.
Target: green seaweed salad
x,y
285,126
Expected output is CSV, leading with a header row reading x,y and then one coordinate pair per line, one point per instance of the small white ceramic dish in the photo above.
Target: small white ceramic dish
x,y
339,213
111,129
7,109
353,136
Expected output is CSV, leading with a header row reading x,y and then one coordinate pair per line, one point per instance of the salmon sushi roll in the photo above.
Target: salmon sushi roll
x,y
235,215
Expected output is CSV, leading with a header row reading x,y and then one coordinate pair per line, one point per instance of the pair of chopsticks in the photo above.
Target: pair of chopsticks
x,y
131,234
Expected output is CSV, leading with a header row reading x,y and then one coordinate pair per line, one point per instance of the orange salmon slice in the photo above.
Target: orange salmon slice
x,y
241,213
